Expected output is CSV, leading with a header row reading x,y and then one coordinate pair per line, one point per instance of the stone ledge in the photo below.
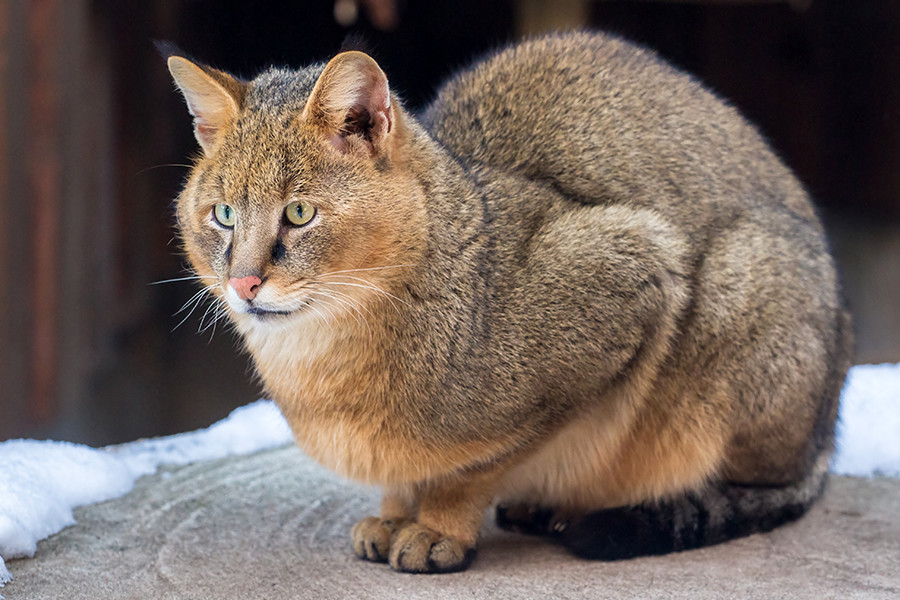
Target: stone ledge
x,y
274,525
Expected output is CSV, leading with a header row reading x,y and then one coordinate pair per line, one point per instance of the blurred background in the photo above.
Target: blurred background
x,y
94,142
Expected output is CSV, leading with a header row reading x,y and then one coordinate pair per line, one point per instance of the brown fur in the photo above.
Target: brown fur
x,y
581,282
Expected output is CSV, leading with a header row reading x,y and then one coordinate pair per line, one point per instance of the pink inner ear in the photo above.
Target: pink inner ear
x,y
356,100
380,102
203,129
385,116
206,133
369,118
339,142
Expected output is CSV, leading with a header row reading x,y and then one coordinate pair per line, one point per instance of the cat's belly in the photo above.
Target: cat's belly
x,y
372,450
613,458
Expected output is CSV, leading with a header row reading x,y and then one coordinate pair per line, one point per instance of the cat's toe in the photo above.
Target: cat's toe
x,y
529,519
372,538
418,549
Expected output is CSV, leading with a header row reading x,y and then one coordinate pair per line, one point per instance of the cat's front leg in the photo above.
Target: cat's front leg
x,y
444,535
438,531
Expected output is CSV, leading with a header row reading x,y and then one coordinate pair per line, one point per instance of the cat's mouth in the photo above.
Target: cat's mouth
x,y
266,314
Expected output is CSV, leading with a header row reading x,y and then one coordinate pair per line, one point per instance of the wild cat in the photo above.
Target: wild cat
x,y
578,285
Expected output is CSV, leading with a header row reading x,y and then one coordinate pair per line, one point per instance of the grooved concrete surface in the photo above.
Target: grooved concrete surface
x,y
276,526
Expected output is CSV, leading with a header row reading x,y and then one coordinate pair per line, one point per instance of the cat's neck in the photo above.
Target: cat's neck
x,y
299,356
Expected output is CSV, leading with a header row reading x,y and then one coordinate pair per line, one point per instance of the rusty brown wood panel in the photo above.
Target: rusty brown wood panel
x,y
43,165
4,224
14,306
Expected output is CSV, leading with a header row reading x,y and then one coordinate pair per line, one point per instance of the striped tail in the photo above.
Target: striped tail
x,y
716,514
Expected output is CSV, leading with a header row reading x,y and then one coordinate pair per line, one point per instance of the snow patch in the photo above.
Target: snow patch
x,y
44,480
868,440
247,429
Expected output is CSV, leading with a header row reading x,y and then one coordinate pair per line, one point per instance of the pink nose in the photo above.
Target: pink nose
x,y
246,287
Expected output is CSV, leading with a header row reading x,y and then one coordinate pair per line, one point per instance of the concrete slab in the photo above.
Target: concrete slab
x,y
276,526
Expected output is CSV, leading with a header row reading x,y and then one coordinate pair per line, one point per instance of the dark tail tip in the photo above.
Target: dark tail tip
x,y
618,534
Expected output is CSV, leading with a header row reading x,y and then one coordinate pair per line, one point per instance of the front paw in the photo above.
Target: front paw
x,y
418,549
372,537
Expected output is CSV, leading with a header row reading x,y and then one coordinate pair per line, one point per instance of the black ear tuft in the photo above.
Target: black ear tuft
x,y
357,41
168,48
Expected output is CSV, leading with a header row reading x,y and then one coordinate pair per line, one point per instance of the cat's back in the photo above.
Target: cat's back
x,y
607,122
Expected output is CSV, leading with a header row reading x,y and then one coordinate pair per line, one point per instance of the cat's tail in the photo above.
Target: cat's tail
x,y
716,514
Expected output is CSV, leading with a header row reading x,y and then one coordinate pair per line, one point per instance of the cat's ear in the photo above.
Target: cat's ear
x,y
351,103
213,97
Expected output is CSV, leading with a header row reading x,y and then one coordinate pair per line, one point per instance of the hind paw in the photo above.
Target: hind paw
x,y
530,519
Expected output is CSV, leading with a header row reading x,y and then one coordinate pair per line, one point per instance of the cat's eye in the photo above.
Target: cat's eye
x,y
299,213
224,215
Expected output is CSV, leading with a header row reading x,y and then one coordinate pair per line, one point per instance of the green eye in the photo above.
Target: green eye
x,y
224,215
299,213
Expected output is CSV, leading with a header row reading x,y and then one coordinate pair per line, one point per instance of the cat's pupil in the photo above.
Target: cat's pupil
x,y
224,215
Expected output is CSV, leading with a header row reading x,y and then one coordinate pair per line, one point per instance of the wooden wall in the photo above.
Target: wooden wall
x,y
85,109
56,190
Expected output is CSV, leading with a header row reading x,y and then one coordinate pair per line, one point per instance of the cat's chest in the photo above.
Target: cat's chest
x,y
350,411
333,391
309,370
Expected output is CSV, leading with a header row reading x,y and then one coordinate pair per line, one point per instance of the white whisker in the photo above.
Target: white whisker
x,y
369,286
365,269
142,171
318,314
189,278
327,307
193,303
360,318
200,327
221,311
196,297
351,299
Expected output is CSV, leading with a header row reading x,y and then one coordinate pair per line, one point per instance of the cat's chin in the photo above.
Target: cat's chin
x,y
267,320
274,319
270,315
254,313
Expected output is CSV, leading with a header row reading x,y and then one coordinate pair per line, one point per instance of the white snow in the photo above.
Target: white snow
x,y
868,440
42,481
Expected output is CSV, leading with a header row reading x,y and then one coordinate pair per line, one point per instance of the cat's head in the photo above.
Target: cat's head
x,y
302,203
